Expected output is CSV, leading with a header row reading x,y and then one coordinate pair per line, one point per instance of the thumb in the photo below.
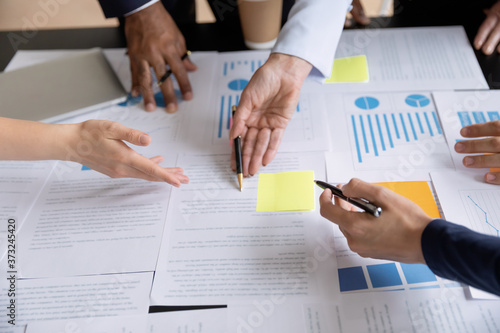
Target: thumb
x,y
118,131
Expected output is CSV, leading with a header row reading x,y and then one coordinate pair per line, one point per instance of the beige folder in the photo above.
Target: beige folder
x,y
59,89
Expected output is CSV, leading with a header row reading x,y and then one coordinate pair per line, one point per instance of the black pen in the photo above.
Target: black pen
x,y
358,202
237,153
169,72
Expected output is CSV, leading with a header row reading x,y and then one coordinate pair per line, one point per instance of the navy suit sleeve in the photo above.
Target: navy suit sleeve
x,y
457,253
118,8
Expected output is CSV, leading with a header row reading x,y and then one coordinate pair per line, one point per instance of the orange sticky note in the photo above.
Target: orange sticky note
x,y
418,192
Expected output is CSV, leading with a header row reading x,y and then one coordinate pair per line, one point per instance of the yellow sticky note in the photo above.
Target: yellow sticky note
x,y
351,69
418,192
285,191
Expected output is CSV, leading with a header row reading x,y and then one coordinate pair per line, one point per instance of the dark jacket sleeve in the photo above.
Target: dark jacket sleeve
x,y
118,8
457,253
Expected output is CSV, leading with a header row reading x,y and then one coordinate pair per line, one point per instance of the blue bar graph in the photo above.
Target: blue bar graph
x,y
417,273
436,121
388,131
384,275
431,132
356,140
380,132
364,134
478,117
229,111
419,123
412,127
404,127
352,278
372,135
464,118
248,66
221,117
493,115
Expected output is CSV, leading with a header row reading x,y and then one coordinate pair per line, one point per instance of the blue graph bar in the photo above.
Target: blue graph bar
x,y
428,124
232,65
259,63
373,136
360,160
253,66
364,134
417,273
419,123
464,118
412,127
85,168
395,125
225,68
384,275
298,108
352,278
221,116
478,117
380,132
388,131
434,115
493,115
237,100
229,115
404,127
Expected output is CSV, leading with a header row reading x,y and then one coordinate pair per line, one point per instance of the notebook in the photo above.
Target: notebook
x,y
59,89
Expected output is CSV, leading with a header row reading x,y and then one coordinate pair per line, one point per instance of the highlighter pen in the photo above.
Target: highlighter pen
x,y
358,202
169,72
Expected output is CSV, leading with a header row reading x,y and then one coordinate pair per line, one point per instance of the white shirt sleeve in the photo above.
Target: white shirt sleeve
x,y
146,5
312,32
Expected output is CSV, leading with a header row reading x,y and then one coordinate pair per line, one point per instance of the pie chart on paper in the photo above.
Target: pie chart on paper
x,y
417,101
366,102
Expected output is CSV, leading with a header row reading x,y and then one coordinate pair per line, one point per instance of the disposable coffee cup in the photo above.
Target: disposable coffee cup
x,y
260,22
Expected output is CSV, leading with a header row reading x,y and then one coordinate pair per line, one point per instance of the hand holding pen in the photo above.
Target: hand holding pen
x,y
358,202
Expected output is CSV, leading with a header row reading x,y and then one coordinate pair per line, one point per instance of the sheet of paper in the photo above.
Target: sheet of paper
x,y
20,184
199,321
409,59
419,193
306,131
350,69
85,297
357,274
467,200
117,324
384,137
217,248
285,191
433,311
87,223
273,314
459,109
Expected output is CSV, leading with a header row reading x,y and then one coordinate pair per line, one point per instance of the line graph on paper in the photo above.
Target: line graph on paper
x,y
483,210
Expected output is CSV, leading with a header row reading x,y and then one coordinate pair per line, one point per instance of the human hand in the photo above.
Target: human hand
x,y
266,106
488,34
357,14
155,41
394,235
486,145
98,144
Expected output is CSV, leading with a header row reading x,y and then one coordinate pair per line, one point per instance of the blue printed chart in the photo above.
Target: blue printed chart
x,y
357,274
307,128
392,137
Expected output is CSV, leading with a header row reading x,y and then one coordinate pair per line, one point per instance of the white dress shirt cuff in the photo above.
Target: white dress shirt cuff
x,y
146,5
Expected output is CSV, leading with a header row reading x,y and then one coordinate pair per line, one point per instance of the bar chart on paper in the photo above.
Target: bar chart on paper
x,y
394,135
357,274
306,129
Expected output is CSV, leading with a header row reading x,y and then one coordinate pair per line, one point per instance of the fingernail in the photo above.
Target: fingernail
x,y
188,96
468,161
171,107
143,139
464,131
489,50
150,107
490,177
459,147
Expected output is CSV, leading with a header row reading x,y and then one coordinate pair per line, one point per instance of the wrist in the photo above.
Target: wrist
x,y
294,66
